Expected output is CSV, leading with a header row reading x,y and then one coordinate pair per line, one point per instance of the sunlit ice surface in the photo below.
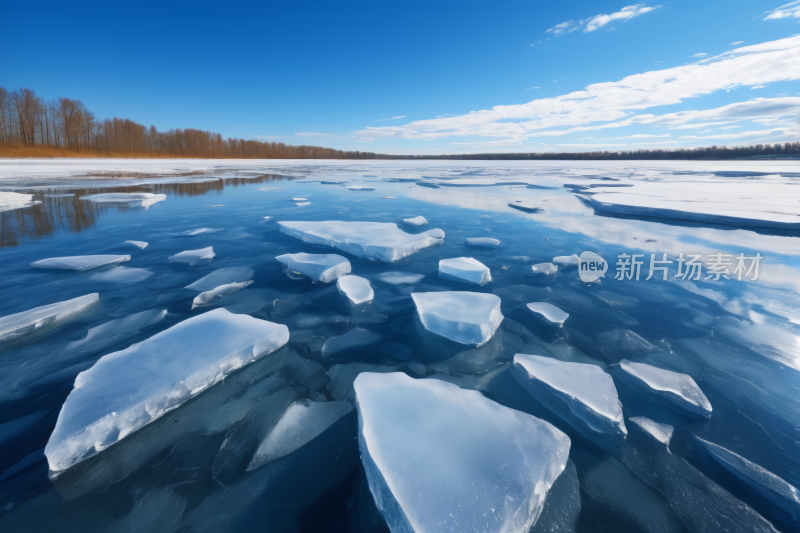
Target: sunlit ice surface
x,y
271,437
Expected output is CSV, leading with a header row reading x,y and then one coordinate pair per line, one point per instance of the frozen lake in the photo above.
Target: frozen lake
x,y
233,400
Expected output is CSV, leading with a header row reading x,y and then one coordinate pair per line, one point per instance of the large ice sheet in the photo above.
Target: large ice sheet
x,y
320,267
129,389
463,317
80,262
19,324
465,269
380,241
132,199
441,458
589,392
679,389
194,257
356,289
14,200
302,422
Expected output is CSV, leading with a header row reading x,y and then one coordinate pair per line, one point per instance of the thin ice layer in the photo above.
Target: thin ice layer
x,y
133,199
214,295
222,276
194,257
356,289
660,432
589,392
14,200
379,241
680,389
463,317
548,313
320,267
127,390
19,324
141,245
483,242
441,458
80,262
465,269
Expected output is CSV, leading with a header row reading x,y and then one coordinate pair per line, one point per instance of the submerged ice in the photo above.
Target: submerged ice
x,y
80,262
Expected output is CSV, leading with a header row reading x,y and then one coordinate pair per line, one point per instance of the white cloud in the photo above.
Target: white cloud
x,y
729,128
733,135
398,117
598,21
759,86
699,54
531,88
737,42
614,104
790,10
639,136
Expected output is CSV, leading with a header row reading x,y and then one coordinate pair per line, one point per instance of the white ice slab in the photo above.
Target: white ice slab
x,y
207,298
222,276
486,242
194,257
394,277
133,199
416,221
589,392
320,267
19,324
465,269
548,313
680,389
298,199
80,262
127,390
141,245
14,200
355,288
661,432
544,269
302,422
441,458
567,260
463,317
380,241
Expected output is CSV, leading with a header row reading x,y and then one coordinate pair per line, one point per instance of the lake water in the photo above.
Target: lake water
x,y
188,470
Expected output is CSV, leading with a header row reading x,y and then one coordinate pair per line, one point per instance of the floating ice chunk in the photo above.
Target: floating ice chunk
x,y
465,269
774,489
302,204
302,422
267,218
526,205
380,241
214,295
121,274
679,389
194,257
355,288
19,324
198,231
360,188
300,199
14,200
661,432
222,276
469,464
548,313
587,390
321,267
544,269
416,221
463,317
141,245
483,242
567,260
133,199
80,262
127,390
353,340
394,277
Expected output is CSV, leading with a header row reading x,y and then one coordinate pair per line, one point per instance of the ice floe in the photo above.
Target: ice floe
x,y
129,389
121,274
660,432
381,241
355,288
132,199
416,221
483,242
567,260
394,277
222,276
19,324
80,262
465,269
548,313
207,298
544,269
141,245
679,389
469,464
320,267
586,390
464,317
14,200
194,257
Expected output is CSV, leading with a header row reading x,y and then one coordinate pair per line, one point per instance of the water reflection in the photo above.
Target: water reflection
x,y
60,212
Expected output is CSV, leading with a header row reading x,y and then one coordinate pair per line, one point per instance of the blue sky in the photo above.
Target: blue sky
x,y
425,77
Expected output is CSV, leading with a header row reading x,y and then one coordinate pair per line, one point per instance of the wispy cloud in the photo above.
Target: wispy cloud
x,y
598,21
398,117
267,137
733,135
736,43
531,88
699,54
790,10
614,104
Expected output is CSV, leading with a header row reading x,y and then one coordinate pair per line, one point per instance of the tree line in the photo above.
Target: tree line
x,y
27,119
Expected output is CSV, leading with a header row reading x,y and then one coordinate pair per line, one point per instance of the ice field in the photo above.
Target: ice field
x,y
373,346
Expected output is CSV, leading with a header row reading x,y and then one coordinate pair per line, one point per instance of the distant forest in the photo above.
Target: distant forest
x,y
33,126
